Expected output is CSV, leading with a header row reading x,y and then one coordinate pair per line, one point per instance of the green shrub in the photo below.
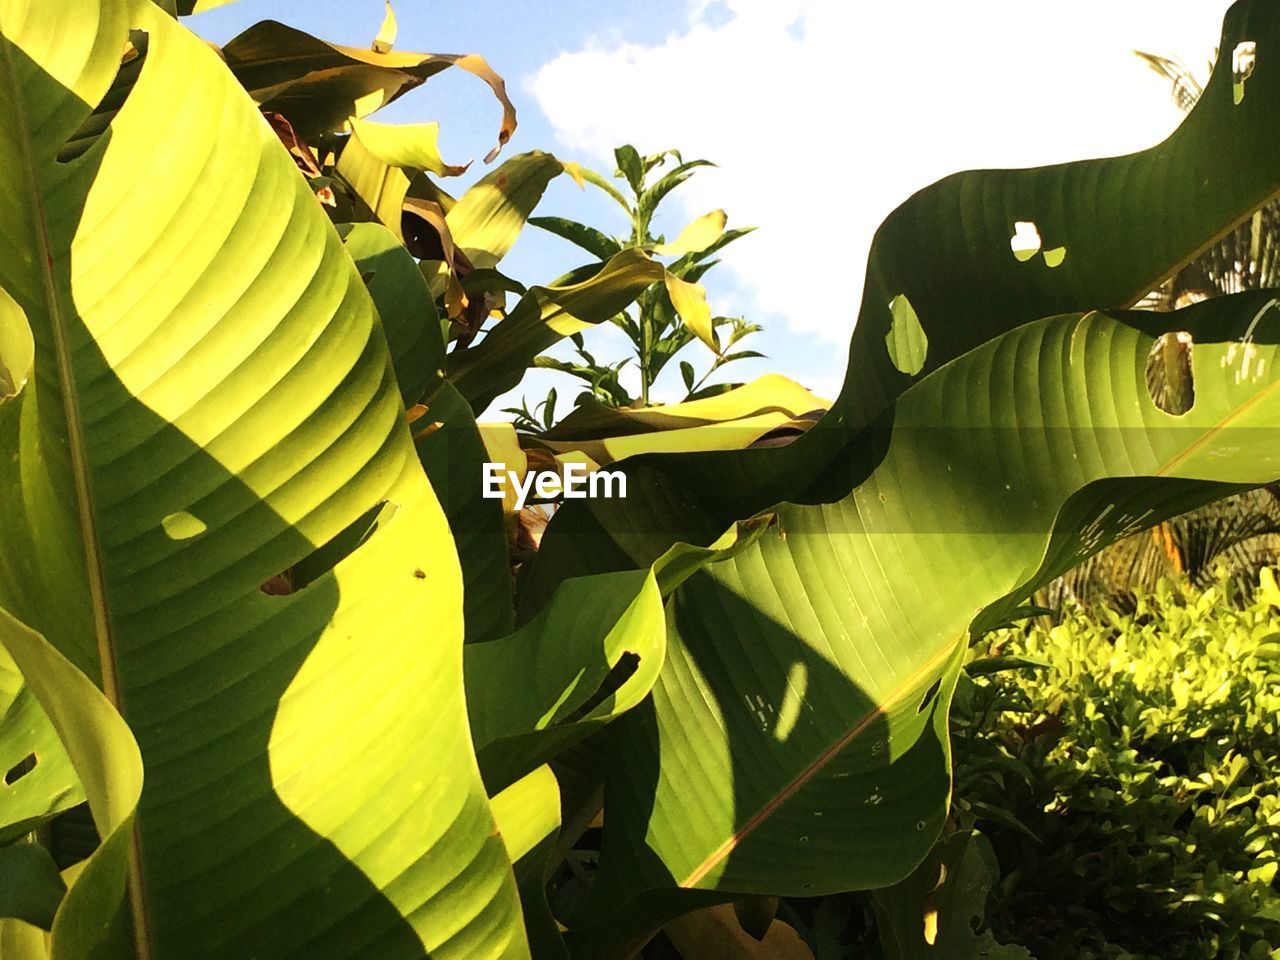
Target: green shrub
x,y
1128,775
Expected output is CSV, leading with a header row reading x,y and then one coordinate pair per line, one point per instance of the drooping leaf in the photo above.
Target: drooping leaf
x,y
690,301
380,161
228,411
729,421
810,756
488,218
386,38
599,180
319,86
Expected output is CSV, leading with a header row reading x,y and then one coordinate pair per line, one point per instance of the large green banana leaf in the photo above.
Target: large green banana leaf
x,y
406,311
796,742
453,454
1109,230
1125,223
212,402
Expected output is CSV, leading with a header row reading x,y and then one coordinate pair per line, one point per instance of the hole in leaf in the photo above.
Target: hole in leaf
x,y
906,340
1243,60
620,673
131,63
20,769
326,557
929,696
1170,377
1054,258
183,525
1026,242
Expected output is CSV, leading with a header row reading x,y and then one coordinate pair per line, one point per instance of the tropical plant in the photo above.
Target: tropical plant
x,y
261,617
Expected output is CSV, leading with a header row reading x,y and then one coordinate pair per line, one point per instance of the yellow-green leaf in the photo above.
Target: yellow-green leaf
x,y
726,421
381,160
207,354
696,237
690,301
488,218
386,38
17,349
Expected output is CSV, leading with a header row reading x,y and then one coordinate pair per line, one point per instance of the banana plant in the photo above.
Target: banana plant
x,y
801,714
213,514
260,621
229,589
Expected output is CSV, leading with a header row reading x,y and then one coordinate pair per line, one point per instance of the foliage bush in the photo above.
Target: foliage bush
x,y
1128,776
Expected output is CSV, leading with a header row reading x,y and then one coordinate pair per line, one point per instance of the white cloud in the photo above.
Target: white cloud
x,y
826,114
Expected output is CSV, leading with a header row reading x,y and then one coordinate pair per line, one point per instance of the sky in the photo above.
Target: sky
x,y
821,115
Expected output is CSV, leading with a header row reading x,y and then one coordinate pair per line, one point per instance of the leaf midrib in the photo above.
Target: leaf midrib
x,y
808,773
85,511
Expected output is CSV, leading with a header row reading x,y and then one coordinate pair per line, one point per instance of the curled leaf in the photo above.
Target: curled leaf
x,y
319,86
